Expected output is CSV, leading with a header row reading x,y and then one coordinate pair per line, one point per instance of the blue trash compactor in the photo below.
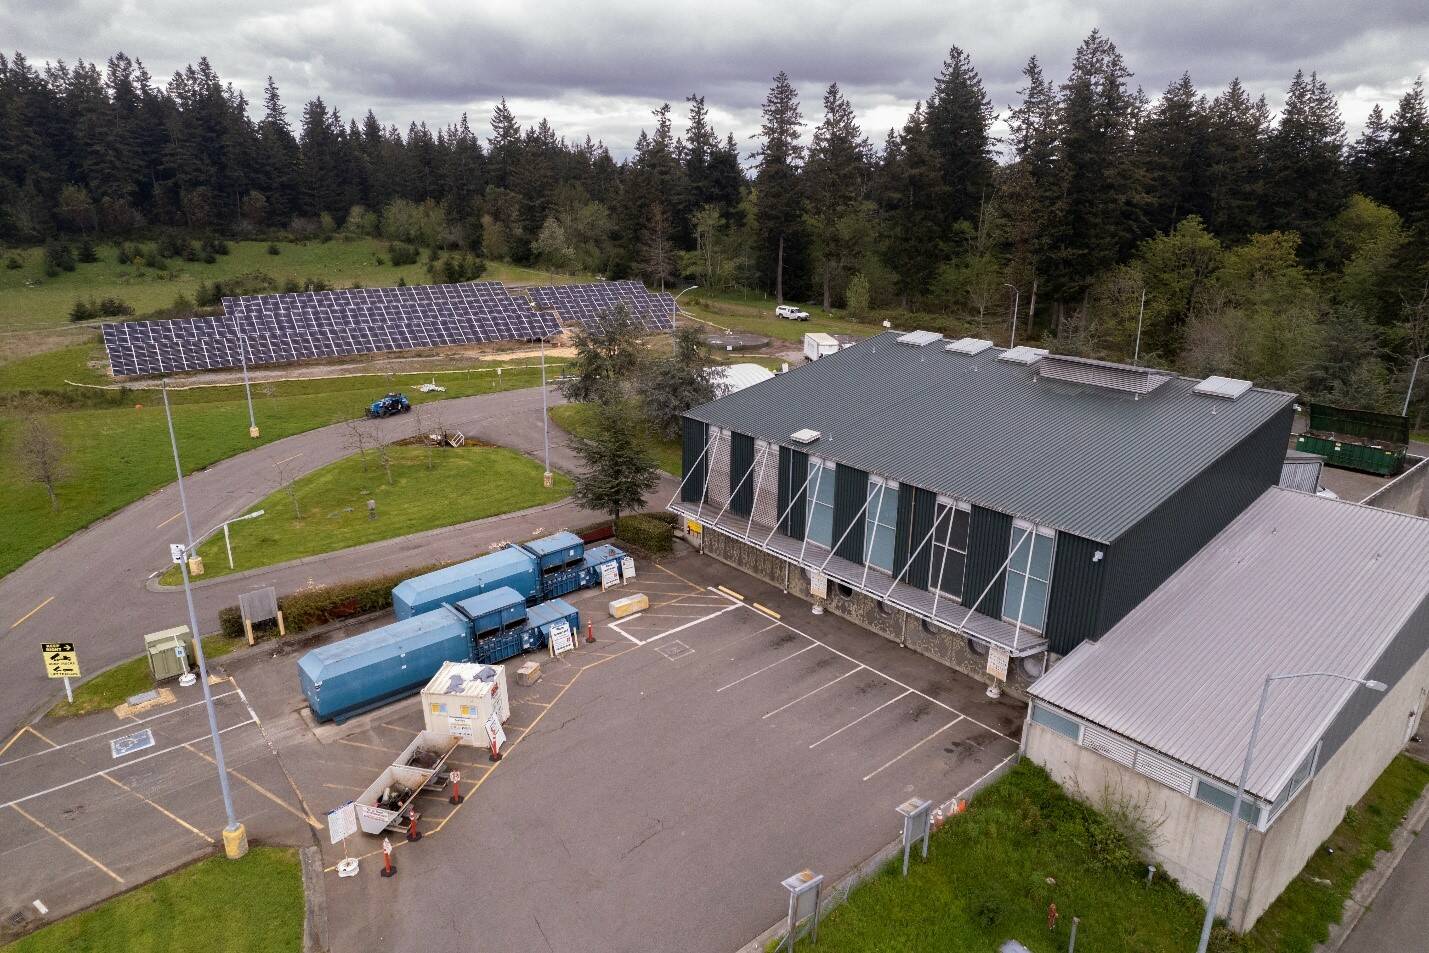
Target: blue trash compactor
x,y
487,610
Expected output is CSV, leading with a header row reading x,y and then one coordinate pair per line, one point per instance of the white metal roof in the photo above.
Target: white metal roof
x,y
1295,583
736,377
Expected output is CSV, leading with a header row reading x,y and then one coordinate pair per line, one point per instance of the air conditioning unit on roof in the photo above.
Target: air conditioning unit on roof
x,y
968,346
1228,387
1023,355
919,338
805,436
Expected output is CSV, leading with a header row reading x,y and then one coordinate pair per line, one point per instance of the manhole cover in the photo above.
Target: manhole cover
x,y
143,697
675,650
18,918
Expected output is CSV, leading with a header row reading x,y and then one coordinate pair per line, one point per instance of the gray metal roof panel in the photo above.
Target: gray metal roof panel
x,y
1080,459
1295,583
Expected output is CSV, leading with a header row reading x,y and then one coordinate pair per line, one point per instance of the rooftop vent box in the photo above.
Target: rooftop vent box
x,y
1105,375
1228,387
1023,355
968,346
919,338
805,436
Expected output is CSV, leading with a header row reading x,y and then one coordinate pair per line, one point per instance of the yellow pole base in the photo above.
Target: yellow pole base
x,y
195,565
235,842
253,432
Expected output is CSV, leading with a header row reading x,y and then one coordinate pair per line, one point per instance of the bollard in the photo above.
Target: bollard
x,y
495,754
589,631
456,797
1072,944
1150,874
387,869
412,833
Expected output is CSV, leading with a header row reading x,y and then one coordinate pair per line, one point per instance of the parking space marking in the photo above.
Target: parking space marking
x,y
617,628
65,841
129,763
36,732
161,809
362,744
100,734
861,718
915,746
766,668
692,622
170,520
856,668
23,618
261,790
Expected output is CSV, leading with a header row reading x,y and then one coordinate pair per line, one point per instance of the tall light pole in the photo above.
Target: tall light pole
x,y
546,478
675,302
1410,392
235,838
247,391
1206,925
1016,300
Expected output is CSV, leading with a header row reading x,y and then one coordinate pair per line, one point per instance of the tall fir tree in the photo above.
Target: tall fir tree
x,y
836,182
1236,131
1306,183
958,117
781,256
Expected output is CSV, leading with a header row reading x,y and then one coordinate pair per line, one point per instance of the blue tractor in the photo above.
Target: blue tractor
x,y
389,405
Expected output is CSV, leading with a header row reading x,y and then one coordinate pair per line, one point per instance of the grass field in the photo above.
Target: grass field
x,y
29,300
1023,844
465,483
118,454
252,905
112,686
583,420
756,316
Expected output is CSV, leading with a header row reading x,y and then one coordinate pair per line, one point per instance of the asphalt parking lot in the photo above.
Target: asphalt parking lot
x,y
657,784
93,806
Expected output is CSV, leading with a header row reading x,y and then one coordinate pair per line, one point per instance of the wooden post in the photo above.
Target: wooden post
x,y
248,629
282,630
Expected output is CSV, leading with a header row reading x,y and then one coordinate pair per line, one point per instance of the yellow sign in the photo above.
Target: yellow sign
x,y
61,660
693,527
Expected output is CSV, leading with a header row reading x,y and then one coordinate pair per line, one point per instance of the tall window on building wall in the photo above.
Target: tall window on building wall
x,y
882,515
950,547
1029,576
821,502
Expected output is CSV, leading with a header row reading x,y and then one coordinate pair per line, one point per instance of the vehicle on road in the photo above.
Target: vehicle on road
x,y
389,405
791,313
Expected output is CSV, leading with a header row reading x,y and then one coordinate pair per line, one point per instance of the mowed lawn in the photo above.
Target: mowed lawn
x,y
250,905
29,299
583,420
116,455
429,489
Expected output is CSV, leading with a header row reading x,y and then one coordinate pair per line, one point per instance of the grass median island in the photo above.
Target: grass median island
x,y
583,420
115,685
461,484
251,905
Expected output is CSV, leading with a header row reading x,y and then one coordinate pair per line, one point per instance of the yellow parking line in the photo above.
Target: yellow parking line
x,y
768,611
261,790
170,520
731,593
31,729
65,841
286,459
13,738
359,744
160,808
37,608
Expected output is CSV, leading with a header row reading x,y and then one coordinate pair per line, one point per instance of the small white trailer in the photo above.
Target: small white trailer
x,y
818,344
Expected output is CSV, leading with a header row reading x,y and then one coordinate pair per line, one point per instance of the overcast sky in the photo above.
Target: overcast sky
x,y
599,68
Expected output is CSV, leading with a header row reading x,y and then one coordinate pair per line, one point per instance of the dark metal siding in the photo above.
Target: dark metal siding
x,y
1076,597
916,509
741,484
989,536
1162,541
694,434
793,472
850,497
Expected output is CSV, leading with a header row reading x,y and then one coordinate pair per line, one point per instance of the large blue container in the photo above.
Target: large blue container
x,y
534,635
595,559
509,567
556,551
547,614
495,611
364,671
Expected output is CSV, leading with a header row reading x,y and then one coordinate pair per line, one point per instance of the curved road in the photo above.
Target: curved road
x,y
90,589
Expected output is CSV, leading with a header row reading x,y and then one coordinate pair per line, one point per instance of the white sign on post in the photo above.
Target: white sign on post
x,y
342,822
818,585
562,640
609,576
461,727
627,568
997,662
495,732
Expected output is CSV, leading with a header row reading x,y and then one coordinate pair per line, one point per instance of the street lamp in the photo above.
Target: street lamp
x,y
1410,392
235,838
675,302
1016,300
247,392
546,478
1371,684
227,542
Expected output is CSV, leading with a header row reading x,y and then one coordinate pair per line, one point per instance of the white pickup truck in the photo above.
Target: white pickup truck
x,y
791,313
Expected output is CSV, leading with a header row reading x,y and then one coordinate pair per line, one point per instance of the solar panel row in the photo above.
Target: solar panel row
x,y
590,304
281,328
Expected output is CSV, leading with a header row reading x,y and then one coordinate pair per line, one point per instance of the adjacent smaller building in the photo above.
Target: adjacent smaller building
x,y
1159,709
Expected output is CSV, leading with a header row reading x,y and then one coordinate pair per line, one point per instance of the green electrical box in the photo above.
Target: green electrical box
x,y
167,652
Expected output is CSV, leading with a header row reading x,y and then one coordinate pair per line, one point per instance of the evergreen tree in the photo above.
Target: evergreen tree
x,y
958,117
278,157
1368,159
779,200
908,174
835,182
673,382
1172,143
617,468
1236,132
1306,181
1406,167
1030,191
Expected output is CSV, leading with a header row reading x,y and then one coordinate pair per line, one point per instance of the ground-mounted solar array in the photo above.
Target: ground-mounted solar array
x,y
590,304
281,328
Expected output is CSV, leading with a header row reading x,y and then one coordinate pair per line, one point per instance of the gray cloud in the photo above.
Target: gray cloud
x,y
598,69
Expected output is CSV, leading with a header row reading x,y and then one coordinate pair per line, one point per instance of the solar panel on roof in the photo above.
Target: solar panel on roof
x,y
301,325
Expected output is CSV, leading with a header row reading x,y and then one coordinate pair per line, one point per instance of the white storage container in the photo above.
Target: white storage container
x,y
459,701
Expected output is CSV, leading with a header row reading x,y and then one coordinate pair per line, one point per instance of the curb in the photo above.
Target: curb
x,y
1373,880
872,865
314,901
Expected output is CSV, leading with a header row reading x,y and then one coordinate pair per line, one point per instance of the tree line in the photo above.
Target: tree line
x,y
1232,238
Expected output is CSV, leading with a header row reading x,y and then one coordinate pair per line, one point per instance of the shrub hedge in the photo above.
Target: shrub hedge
x,y
314,607
648,532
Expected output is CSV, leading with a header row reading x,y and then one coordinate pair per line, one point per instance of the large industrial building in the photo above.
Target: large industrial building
x,y
1108,540
960,498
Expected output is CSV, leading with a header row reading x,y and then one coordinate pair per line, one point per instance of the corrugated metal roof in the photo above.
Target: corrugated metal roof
x,y
732,378
1088,461
1301,471
1296,583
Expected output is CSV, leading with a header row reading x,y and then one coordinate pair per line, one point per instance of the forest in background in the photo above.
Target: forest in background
x,y
1266,246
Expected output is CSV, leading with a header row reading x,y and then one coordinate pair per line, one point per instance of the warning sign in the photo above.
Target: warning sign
x,y
494,731
61,660
609,575
562,639
997,661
